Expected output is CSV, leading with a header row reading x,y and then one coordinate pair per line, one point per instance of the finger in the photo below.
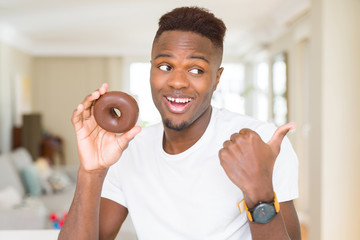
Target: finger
x,y
89,100
234,136
277,138
247,134
104,88
76,118
88,103
245,131
227,143
124,139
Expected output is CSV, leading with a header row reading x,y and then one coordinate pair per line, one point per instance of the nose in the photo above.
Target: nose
x,y
178,79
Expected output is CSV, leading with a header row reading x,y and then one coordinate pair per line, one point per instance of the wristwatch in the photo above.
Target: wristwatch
x,y
263,212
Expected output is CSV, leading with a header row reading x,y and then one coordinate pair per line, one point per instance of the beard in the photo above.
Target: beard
x,y
178,127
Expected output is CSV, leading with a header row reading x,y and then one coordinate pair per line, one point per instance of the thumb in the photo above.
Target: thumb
x,y
126,137
277,138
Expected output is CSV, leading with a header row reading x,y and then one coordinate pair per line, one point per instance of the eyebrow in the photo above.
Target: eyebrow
x,y
200,57
162,55
191,57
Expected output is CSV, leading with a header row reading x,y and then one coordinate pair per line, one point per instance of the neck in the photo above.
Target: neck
x,y
175,142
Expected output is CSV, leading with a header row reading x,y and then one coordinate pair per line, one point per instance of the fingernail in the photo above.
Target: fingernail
x,y
293,128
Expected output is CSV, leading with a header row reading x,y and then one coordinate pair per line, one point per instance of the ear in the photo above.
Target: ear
x,y
218,75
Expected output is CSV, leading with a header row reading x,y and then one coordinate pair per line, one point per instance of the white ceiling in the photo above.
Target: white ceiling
x,y
119,27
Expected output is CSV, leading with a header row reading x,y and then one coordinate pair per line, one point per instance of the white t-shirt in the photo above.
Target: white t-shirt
x,y
188,195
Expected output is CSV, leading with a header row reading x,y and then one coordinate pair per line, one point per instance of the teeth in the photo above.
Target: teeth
x,y
178,100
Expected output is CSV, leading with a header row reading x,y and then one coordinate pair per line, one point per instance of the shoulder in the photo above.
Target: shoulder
x,y
149,133
145,141
233,122
139,150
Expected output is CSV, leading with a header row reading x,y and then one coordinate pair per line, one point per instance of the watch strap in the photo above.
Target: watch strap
x,y
243,207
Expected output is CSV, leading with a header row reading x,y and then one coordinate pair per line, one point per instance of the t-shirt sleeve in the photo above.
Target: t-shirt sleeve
x,y
285,173
112,186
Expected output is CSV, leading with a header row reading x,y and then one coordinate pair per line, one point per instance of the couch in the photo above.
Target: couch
x,y
33,192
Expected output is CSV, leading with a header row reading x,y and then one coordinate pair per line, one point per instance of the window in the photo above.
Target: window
x,y
230,89
280,104
261,90
140,88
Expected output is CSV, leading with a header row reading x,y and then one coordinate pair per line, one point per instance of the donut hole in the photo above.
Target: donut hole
x,y
116,112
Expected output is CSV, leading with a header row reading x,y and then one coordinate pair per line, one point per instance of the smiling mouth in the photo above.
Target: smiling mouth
x,y
178,105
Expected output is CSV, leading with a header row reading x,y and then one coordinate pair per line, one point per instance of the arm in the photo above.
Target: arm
x,y
98,150
249,163
112,216
285,225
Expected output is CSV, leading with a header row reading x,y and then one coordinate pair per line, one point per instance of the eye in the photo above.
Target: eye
x,y
196,71
165,67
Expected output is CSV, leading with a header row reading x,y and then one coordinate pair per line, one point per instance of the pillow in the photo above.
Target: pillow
x,y
9,176
21,158
9,197
59,181
45,172
32,180
42,165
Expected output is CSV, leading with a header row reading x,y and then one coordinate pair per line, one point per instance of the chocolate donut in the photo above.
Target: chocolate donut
x,y
106,117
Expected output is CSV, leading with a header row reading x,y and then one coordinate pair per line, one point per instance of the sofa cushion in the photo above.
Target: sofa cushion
x,y
32,180
45,172
59,202
59,180
21,158
9,197
31,214
9,176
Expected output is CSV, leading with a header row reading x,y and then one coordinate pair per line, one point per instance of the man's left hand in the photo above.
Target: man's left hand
x,y
249,162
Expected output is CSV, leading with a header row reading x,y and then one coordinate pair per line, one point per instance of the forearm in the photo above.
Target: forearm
x,y
285,224
82,222
275,229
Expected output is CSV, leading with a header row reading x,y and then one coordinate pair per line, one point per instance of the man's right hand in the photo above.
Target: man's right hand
x,y
97,148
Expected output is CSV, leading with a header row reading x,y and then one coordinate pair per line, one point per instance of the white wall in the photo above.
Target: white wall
x,y
324,102
340,119
335,117
61,83
5,100
13,62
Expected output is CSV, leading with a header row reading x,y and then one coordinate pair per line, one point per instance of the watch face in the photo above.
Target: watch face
x,y
264,213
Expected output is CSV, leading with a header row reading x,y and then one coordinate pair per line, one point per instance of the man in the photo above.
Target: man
x,y
184,178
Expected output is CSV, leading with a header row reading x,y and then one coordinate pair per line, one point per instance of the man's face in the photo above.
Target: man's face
x,y
184,74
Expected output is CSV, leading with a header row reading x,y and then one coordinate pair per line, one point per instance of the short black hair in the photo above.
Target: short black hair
x,y
194,19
